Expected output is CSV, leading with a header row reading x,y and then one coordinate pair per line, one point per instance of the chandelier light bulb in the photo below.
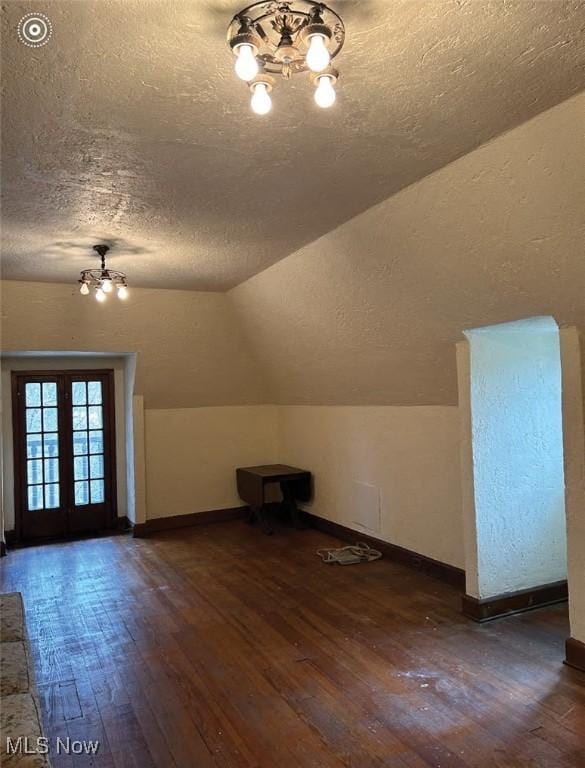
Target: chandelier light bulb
x,y
84,289
122,292
261,102
106,285
100,295
325,92
246,63
318,57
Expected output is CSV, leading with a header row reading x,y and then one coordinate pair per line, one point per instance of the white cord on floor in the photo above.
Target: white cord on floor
x,y
355,553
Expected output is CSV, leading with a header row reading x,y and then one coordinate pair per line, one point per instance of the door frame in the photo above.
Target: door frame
x,y
18,442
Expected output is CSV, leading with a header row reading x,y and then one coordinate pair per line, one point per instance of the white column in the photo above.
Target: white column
x,y
574,445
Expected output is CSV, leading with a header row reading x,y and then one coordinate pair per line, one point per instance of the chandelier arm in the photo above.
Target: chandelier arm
x,y
306,12
95,276
307,17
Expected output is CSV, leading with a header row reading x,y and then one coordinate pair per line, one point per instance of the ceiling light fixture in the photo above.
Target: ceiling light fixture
x,y
103,280
286,37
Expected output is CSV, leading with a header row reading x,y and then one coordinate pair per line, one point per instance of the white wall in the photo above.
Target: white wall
x,y
517,455
138,486
407,457
192,455
185,461
572,355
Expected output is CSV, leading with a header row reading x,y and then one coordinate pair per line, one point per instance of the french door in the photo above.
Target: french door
x,y
64,453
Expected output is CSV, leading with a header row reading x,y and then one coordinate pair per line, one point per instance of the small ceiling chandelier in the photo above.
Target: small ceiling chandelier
x,y
103,280
286,38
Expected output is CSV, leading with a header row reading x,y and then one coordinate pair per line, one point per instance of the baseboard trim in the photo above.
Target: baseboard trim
x,y
443,571
510,603
118,527
186,521
575,654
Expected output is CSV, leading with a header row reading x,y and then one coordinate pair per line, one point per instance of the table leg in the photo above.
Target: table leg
x,y
291,504
261,516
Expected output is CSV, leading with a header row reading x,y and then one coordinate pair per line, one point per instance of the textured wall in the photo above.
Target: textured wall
x,y
189,346
192,454
572,354
389,471
577,535
369,314
517,453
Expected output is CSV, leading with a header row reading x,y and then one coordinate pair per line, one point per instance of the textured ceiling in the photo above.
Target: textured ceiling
x,y
370,313
130,126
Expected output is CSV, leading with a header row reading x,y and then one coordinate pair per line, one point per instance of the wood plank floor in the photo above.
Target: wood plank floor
x,y
220,647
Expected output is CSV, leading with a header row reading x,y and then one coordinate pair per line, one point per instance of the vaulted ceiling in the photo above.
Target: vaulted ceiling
x,y
370,313
130,126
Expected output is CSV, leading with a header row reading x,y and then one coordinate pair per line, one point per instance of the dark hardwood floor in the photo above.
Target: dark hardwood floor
x,y
218,646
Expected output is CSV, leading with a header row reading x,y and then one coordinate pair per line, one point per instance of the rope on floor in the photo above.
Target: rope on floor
x,y
355,553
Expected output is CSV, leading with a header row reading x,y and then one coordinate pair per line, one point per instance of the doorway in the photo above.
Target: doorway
x,y
64,452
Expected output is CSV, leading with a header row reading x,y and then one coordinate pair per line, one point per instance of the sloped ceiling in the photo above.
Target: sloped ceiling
x,y
130,126
370,313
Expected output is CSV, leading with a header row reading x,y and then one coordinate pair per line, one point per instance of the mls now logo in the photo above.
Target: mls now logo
x,y
25,746
40,746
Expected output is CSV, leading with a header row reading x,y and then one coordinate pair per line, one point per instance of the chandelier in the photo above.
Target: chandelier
x,y
286,38
103,280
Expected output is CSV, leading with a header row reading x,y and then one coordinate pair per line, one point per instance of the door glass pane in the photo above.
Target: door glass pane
x,y
33,419
35,497
50,419
97,491
40,412
32,395
79,417
94,391
51,444
42,445
96,466
80,468
95,416
80,445
34,446
81,493
51,470
34,471
88,442
51,496
96,442
49,393
78,393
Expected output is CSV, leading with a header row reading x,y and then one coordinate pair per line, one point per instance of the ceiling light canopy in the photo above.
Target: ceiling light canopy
x,y
103,281
286,38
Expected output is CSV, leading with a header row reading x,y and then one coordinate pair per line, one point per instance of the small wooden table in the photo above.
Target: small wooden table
x,y
295,485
